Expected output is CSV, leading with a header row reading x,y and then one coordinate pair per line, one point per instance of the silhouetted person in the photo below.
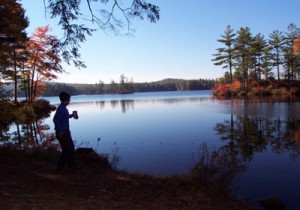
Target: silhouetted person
x,y
63,134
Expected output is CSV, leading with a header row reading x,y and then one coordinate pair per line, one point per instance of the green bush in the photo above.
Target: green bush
x,y
6,112
42,108
24,114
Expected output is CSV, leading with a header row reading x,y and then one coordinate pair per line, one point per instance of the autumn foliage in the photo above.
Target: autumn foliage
x,y
258,62
296,46
43,62
227,89
258,88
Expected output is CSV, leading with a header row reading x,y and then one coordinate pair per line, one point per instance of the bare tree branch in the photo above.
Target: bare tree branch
x,y
70,17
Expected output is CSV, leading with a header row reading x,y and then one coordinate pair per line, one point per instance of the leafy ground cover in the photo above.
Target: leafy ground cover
x,y
29,180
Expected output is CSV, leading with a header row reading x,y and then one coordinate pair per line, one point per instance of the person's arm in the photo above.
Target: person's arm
x,y
58,120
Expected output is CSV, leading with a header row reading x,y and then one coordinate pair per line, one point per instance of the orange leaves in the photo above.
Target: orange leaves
x,y
41,32
227,89
43,62
296,46
236,86
40,88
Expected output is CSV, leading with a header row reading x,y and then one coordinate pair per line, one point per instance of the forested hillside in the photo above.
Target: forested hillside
x,y
128,87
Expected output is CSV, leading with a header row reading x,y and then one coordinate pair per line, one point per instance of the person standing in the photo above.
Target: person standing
x,y
63,134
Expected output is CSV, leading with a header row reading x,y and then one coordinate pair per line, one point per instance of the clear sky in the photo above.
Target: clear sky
x,y
180,45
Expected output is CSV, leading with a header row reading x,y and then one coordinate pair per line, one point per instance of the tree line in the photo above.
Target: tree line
x,y
247,57
126,87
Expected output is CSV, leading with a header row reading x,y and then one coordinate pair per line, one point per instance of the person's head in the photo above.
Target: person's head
x,y
64,97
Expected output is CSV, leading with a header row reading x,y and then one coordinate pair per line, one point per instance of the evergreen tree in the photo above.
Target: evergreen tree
x,y
291,60
258,49
225,56
243,47
276,40
267,64
12,39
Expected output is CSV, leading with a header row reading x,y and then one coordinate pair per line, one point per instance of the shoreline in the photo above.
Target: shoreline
x,y
29,180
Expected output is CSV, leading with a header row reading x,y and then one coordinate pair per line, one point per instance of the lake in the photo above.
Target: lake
x,y
162,133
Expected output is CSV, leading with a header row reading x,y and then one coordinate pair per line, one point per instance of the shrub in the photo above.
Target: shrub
x,y
260,90
227,89
295,90
6,113
42,108
24,114
236,87
281,92
217,169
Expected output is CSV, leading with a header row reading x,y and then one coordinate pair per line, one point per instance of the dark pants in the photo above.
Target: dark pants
x,y
68,151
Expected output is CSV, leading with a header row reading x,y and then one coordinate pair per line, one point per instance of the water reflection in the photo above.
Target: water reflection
x,y
127,105
254,142
257,125
217,169
265,132
28,136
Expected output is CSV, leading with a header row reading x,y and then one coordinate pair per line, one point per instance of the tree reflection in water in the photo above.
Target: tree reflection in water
x,y
258,127
250,134
28,136
22,124
217,169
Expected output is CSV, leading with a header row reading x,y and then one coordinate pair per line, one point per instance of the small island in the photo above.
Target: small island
x,y
257,65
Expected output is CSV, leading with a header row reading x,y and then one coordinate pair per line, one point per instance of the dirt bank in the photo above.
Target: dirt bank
x,y
31,181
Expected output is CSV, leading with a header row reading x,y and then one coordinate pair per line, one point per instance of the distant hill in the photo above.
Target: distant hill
x,y
169,80
168,84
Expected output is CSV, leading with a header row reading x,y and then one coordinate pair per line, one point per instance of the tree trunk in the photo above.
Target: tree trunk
x,y
15,74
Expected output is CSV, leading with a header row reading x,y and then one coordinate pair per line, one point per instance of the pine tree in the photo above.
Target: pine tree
x,y
225,56
291,60
258,49
276,40
243,48
12,39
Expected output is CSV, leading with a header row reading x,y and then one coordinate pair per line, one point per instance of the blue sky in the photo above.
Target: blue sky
x,y
180,45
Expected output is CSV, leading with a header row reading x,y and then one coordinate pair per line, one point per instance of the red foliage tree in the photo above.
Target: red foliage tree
x,y
43,62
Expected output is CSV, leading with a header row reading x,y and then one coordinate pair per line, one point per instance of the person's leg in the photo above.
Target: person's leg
x,y
63,156
62,161
70,151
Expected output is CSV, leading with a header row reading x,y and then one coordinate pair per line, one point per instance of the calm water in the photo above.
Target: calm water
x,y
161,134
